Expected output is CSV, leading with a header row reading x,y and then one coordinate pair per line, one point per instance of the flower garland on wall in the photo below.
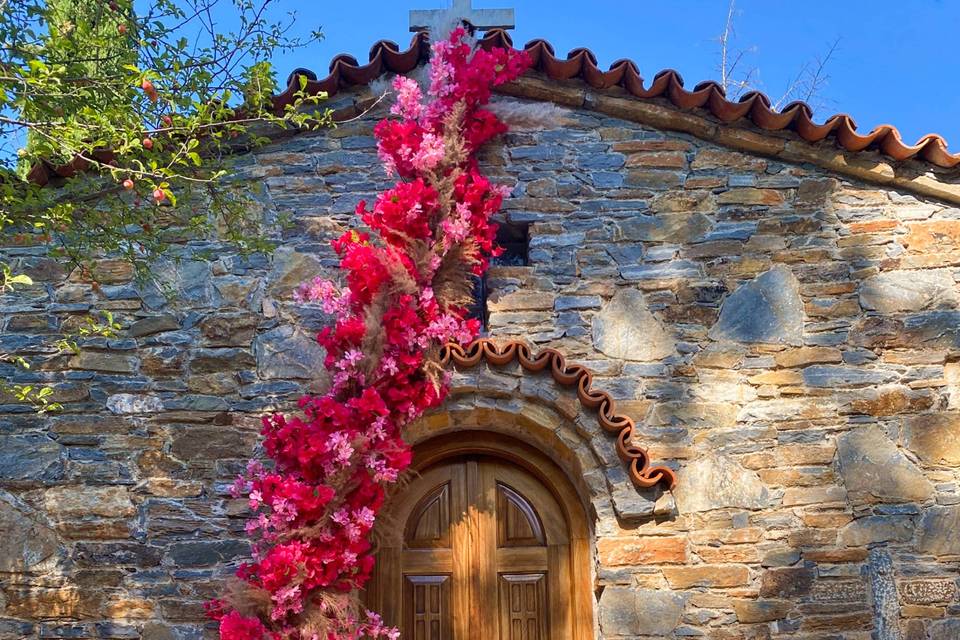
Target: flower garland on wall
x,y
407,285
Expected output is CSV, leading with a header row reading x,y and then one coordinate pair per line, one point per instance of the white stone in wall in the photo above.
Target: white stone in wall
x,y
716,481
130,403
895,291
625,328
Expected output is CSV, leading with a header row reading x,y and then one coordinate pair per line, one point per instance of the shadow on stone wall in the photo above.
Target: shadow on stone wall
x,y
786,338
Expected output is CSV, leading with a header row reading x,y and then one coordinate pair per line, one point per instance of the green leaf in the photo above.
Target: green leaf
x,y
20,278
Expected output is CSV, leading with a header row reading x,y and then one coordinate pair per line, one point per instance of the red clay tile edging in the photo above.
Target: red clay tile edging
x,y
636,458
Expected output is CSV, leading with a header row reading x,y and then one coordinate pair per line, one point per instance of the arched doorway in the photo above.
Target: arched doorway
x,y
490,540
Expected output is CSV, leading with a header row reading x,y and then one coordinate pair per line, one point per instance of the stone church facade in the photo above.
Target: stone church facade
x,y
779,318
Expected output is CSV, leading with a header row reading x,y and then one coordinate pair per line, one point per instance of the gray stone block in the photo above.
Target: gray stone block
x,y
940,531
875,529
896,291
838,376
285,352
602,161
872,466
26,541
206,552
627,611
665,227
30,457
662,271
767,309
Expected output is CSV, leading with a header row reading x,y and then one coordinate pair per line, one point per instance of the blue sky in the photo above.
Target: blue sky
x,y
896,61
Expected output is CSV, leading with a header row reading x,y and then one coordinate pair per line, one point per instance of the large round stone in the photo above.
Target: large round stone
x,y
625,328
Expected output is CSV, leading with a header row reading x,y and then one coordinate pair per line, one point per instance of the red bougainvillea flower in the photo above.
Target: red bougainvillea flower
x,y
315,505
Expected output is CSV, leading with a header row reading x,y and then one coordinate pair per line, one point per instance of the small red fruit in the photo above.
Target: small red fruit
x,y
128,184
166,120
113,6
122,29
159,195
147,143
147,86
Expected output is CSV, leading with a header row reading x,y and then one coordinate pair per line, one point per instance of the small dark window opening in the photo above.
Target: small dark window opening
x,y
515,240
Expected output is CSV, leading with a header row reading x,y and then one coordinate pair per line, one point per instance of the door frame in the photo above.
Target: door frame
x,y
534,461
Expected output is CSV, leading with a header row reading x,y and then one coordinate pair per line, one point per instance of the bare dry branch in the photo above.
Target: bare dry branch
x,y
807,85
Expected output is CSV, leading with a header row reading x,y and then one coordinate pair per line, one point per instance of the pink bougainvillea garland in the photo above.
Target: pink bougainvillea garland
x,y
406,286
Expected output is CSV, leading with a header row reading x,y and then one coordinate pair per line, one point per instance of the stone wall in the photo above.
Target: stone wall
x,y
788,339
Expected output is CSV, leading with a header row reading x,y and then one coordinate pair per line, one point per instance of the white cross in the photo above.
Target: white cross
x,y
481,19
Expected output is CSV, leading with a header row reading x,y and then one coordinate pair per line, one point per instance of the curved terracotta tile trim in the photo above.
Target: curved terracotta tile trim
x,y
385,56
498,354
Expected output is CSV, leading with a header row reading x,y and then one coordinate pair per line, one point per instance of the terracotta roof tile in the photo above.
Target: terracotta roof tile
x,y
386,56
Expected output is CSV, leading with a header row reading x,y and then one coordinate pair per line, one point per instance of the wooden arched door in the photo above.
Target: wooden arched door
x,y
479,548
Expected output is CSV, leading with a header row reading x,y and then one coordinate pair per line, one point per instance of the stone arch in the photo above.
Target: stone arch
x,y
534,424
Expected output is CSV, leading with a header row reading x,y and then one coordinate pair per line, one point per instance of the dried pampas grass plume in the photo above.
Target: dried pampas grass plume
x,y
442,24
528,116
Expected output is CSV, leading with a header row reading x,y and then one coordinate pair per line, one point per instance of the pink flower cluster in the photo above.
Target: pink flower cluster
x,y
315,506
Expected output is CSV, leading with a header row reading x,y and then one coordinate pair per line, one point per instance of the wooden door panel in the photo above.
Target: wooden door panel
x,y
517,559
428,614
481,487
518,524
429,522
417,561
522,546
523,611
541,502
